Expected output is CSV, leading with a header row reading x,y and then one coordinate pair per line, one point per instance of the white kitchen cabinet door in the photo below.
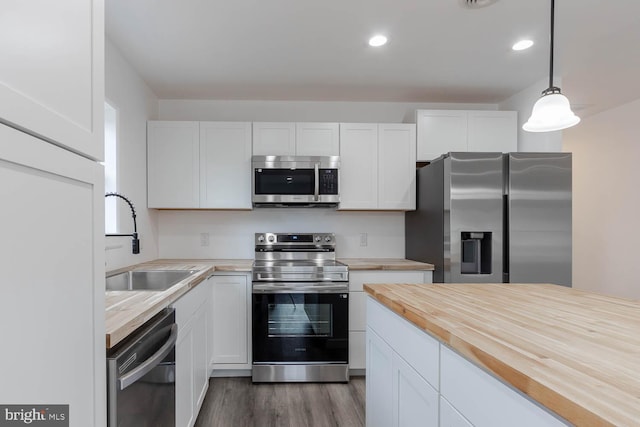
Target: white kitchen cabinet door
x,y
230,296
173,153
317,139
52,276
379,384
397,166
357,350
52,73
185,377
450,417
415,402
274,139
225,165
493,131
486,401
357,307
200,362
439,132
358,166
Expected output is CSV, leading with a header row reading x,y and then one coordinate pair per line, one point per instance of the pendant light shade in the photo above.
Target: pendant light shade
x,y
552,111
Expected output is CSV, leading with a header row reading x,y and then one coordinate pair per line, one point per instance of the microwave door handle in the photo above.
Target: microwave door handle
x,y
316,187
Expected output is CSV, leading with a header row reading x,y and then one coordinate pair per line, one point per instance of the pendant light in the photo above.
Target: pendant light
x,y
552,111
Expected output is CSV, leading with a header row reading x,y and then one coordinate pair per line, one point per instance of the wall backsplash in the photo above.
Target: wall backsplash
x,y
231,233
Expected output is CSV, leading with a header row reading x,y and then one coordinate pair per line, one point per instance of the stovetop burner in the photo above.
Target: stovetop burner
x,y
297,257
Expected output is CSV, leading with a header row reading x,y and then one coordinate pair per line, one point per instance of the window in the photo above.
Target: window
x,y
110,168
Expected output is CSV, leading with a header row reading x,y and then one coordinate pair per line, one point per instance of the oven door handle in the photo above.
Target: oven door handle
x,y
289,288
316,187
153,361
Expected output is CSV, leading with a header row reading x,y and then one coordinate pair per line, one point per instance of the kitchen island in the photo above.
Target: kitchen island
x,y
564,355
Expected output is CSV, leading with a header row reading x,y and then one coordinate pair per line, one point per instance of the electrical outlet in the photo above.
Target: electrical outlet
x,y
204,239
364,239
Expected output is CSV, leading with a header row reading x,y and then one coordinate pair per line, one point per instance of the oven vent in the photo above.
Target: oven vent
x,y
475,4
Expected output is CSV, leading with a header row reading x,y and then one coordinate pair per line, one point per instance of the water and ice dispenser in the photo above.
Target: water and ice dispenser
x,y
476,252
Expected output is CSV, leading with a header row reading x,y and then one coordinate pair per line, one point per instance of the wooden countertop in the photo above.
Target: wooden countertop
x,y
385,264
126,311
575,352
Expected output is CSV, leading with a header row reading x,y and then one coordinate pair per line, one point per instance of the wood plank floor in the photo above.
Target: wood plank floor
x,y
237,402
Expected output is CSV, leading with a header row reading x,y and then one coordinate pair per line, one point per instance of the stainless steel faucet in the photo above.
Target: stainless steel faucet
x,y
135,244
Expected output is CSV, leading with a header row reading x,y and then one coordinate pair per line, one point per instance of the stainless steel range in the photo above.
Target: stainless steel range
x,y
300,309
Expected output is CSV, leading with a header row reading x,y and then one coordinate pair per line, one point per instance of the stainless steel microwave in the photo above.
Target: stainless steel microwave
x,y
295,181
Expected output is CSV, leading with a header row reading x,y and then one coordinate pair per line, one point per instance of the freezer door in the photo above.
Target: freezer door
x,y
539,219
474,189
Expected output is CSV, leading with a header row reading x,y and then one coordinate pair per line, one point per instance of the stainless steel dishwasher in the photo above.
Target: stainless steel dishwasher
x,y
141,376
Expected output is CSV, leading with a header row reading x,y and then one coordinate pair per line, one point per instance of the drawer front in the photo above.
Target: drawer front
x,y
414,345
486,401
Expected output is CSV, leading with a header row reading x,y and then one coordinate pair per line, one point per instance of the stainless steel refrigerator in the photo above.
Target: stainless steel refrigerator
x,y
493,218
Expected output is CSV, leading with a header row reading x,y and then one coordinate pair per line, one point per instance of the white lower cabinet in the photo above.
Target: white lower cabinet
x,y
450,417
185,372
415,380
415,402
192,365
379,384
231,333
357,305
484,400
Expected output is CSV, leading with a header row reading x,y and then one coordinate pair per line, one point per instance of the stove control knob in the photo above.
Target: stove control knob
x,y
317,239
327,239
271,239
261,238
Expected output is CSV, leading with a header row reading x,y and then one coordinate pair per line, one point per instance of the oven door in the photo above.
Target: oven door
x,y
297,327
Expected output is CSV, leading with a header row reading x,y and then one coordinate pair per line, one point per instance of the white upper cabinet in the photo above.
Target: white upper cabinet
x,y
52,73
317,139
442,131
358,166
493,131
225,165
173,168
378,163
295,139
397,166
199,165
274,139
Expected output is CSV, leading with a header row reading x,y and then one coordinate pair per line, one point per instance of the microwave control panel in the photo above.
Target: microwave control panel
x,y
328,181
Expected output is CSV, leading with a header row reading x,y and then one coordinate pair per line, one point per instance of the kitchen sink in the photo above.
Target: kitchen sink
x,y
146,280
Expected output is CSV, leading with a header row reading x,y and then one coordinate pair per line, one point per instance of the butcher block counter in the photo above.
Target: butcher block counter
x,y
128,310
576,353
397,264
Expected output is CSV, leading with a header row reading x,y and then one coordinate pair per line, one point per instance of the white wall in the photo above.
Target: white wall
x,y
301,111
606,201
522,102
231,234
135,104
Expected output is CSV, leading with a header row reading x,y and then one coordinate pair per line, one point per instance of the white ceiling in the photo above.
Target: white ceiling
x,y
438,51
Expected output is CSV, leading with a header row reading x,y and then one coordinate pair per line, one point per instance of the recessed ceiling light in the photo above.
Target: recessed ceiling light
x,y
522,45
377,41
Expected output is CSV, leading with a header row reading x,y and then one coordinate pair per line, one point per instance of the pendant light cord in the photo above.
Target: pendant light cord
x,y
551,47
